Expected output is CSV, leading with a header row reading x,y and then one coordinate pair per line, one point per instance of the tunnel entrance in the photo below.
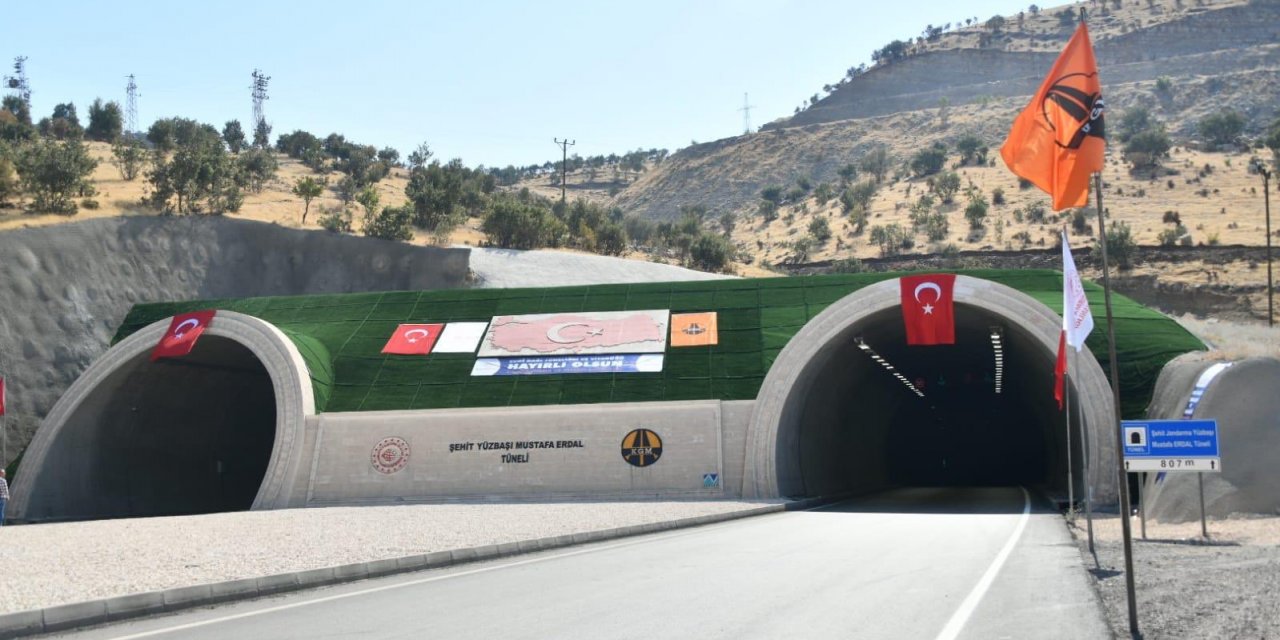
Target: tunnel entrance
x,y
839,412
173,437
958,431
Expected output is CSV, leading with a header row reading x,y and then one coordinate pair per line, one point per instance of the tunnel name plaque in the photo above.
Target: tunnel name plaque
x,y
513,451
1171,445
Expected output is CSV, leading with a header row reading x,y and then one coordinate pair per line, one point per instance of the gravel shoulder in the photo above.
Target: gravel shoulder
x,y
1190,588
511,268
51,564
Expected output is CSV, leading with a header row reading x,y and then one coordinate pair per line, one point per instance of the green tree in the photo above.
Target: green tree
x,y
420,156
18,107
820,229
308,188
877,162
233,135
1133,122
1120,245
1272,141
711,252
389,156
9,187
976,211
858,196
1222,128
945,186
106,124
129,156
13,129
199,177
772,194
972,150
1147,149
262,135
64,125
392,223
929,161
513,224
52,173
848,173
255,168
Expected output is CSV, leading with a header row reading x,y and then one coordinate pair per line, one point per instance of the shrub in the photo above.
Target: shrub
x,y
876,162
1120,245
129,156
517,225
848,265
976,211
1080,222
945,186
997,196
8,180
105,122
823,193
820,229
1170,237
52,172
1146,149
972,150
1034,213
858,196
337,220
929,161
256,167
772,194
1133,122
711,252
392,223
89,203
1171,217
1221,128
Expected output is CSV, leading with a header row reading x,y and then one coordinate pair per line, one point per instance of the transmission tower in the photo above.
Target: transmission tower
x,y
18,81
131,105
259,87
746,115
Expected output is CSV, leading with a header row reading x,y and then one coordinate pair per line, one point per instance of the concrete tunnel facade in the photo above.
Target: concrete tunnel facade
x,y
234,425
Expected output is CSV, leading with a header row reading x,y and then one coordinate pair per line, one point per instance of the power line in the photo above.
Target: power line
x,y
564,163
746,115
259,87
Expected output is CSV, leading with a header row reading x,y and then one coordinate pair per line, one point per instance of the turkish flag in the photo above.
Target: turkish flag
x,y
1060,371
1058,140
413,339
1,396
183,332
927,309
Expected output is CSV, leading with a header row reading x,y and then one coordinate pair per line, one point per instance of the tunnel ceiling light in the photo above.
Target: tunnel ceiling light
x,y
866,348
997,351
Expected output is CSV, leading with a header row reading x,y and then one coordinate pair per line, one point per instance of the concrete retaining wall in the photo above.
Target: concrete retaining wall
x,y
65,288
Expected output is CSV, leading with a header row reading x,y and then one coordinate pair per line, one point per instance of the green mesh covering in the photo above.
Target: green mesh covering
x,y
341,337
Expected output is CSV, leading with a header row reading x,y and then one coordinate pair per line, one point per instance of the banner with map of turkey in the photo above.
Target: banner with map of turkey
x,y
575,334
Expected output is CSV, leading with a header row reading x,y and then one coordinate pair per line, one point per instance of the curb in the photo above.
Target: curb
x,y
95,612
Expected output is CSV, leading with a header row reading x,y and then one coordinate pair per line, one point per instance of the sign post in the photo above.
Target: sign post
x,y
1169,446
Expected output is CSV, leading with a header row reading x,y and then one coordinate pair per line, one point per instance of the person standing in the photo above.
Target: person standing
x,y
4,496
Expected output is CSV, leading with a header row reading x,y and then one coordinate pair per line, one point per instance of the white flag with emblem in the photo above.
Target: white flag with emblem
x,y
1077,319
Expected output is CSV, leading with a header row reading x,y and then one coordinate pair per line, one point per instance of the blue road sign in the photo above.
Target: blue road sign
x,y
1171,445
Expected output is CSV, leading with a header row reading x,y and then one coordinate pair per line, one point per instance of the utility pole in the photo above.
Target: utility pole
x,y
746,115
1266,200
564,163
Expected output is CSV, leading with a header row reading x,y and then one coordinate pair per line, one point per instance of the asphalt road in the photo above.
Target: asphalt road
x,y
912,563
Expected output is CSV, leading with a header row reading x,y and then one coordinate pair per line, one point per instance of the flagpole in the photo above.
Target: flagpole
x,y
1066,403
1125,525
1088,474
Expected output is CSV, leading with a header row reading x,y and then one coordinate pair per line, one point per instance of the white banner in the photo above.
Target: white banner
x,y
1077,319
461,337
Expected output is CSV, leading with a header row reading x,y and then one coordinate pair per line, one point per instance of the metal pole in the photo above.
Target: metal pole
x,y
1088,473
1142,505
1266,199
1204,526
564,163
1066,403
1125,526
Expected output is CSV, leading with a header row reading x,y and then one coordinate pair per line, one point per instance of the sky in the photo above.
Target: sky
x,y
490,82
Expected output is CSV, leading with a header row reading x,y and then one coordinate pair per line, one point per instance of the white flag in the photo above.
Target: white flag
x,y
1077,320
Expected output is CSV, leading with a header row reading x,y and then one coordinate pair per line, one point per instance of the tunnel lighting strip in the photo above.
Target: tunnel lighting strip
x,y
997,347
888,367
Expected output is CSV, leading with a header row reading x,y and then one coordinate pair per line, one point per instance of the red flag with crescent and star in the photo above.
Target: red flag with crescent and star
x,y
413,339
927,308
184,330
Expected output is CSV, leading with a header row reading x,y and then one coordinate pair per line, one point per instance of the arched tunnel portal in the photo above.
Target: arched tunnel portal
x,y
208,432
839,410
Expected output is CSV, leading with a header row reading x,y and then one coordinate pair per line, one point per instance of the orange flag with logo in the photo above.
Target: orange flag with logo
x,y
694,329
1057,142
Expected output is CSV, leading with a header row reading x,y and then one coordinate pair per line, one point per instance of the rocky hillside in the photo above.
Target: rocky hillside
x,y
1183,60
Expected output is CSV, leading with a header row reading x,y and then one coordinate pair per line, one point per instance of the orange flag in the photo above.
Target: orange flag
x,y
694,329
1057,141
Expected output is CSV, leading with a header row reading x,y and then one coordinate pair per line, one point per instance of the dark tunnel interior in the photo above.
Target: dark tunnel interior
x,y
861,429
173,437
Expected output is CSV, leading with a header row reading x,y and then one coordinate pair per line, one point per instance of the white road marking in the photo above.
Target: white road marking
x,y
958,619
248,614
